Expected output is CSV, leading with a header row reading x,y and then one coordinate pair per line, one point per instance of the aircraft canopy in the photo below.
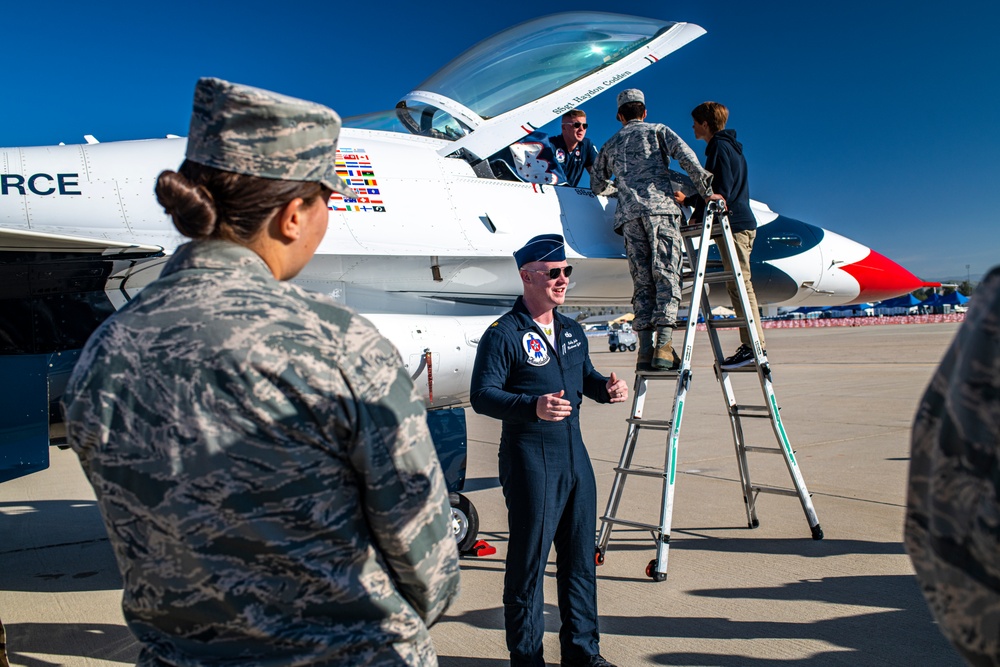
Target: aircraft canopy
x,y
513,68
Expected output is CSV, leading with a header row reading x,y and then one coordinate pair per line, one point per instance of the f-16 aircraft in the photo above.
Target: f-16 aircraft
x,y
425,247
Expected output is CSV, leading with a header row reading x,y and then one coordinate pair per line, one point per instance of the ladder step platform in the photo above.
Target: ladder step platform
x,y
776,490
642,472
749,368
700,273
631,524
655,424
750,411
762,450
693,231
727,323
658,375
717,277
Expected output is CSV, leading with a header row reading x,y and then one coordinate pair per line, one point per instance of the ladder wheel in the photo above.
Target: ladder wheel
x,y
598,557
755,523
817,532
653,574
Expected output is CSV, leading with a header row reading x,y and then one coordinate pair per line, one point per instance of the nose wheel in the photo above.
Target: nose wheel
x,y
464,521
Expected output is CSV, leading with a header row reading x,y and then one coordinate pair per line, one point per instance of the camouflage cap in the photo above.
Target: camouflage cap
x,y
256,132
630,95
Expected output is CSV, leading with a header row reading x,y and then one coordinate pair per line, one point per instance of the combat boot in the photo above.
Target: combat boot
x,y
664,357
644,361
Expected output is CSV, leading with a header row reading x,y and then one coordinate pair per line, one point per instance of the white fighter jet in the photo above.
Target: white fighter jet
x,y
425,247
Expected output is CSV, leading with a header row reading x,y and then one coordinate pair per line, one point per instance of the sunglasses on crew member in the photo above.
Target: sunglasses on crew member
x,y
578,125
553,274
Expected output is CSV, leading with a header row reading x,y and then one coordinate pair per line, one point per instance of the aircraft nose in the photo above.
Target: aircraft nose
x,y
881,278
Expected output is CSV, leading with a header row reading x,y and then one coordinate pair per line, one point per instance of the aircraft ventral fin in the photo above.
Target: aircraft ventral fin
x,y
17,240
500,131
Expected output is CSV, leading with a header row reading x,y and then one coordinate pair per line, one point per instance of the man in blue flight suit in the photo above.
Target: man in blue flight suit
x,y
573,151
532,371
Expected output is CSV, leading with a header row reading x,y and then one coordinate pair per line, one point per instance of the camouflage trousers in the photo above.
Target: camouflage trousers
x,y
654,248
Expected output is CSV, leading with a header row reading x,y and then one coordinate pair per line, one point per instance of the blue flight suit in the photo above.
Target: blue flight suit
x,y
574,161
547,478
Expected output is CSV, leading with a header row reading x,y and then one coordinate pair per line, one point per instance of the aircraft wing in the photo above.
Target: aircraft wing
x,y
26,241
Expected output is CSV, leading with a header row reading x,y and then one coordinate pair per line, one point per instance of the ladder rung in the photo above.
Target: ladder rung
x,y
775,490
640,472
727,322
655,424
749,368
691,231
748,411
634,524
658,375
762,450
717,277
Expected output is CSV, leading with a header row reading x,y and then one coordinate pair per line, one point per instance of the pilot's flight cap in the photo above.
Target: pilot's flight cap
x,y
256,132
543,248
630,95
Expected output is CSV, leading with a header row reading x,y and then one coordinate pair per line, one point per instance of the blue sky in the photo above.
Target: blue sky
x,y
876,120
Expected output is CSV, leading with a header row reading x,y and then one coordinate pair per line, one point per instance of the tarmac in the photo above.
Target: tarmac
x,y
733,596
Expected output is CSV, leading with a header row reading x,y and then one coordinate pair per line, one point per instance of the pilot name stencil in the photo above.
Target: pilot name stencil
x,y
583,97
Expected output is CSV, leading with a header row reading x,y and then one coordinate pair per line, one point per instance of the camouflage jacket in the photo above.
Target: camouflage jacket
x,y
264,471
638,156
953,507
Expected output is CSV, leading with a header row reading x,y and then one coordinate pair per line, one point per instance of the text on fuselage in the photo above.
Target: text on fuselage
x,y
40,184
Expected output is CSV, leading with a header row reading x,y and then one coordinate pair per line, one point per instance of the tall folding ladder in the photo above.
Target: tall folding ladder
x,y
715,225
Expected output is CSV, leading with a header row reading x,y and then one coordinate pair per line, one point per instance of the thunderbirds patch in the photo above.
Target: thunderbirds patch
x,y
538,352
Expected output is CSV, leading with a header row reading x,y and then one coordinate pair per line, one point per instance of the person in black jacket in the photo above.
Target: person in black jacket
x,y
724,160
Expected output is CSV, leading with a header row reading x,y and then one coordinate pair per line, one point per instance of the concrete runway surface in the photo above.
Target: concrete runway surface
x,y
733,596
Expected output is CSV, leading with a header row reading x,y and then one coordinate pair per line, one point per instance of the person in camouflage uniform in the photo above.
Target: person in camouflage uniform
x,y
638,156
260,457
953,507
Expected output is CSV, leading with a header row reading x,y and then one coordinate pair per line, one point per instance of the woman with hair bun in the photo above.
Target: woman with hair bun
x,y
260,457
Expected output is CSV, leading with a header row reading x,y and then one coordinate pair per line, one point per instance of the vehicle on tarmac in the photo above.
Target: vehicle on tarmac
x,y
622,339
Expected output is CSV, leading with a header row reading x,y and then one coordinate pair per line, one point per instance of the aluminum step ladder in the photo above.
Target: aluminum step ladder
x,y
714,226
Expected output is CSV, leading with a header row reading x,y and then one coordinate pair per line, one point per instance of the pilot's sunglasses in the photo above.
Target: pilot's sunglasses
x,y
554,274
577,125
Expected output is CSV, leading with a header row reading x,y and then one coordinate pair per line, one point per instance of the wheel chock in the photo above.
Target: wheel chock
x,y
480,548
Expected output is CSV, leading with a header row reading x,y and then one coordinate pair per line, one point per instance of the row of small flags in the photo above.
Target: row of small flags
x,y
355,168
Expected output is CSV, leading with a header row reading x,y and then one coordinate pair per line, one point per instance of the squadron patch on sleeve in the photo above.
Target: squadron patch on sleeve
x,y
535,347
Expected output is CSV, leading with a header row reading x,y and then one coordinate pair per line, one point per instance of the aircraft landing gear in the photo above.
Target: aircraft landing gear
x,y
464,521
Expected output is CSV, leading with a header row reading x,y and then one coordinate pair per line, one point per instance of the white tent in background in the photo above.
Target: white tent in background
x,y
722,311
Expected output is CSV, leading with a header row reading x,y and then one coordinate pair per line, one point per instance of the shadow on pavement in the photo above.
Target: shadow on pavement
x,y
901,633
100,641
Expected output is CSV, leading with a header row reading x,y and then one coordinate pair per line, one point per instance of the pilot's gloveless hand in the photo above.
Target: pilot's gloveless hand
x,y
553,407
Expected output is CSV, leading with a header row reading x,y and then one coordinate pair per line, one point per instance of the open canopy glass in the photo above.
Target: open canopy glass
x,y
513,68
